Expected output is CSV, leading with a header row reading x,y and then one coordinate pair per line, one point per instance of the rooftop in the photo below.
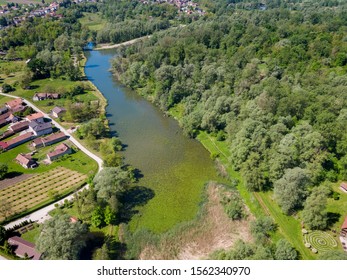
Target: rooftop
x,y
60,149
23,159
14,103
24,247
19,138
39,126
34,116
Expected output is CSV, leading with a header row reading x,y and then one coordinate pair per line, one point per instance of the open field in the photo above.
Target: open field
x,y
260,203
93,21
39,188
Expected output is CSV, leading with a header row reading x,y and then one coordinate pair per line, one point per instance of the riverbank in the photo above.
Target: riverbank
x,y
114,46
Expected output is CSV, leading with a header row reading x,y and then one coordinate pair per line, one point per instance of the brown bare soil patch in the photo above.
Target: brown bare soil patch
x,y
15,180
214,230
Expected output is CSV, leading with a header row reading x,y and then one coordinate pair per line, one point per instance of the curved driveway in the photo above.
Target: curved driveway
x,y
41,215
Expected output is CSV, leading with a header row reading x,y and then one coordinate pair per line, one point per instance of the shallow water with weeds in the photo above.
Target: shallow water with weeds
x,y
174,167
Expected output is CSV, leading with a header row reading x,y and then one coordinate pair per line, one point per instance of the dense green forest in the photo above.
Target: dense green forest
x,y
270,81
131,19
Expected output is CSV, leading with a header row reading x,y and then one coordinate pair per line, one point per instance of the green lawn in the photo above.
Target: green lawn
x,y
77,161
93,21
338,207
32,235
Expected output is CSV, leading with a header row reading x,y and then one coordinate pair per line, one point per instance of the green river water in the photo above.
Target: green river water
x,y
174,167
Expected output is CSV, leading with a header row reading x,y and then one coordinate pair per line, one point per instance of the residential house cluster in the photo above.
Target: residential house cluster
x,y
19,13
7,112
35,128
184,6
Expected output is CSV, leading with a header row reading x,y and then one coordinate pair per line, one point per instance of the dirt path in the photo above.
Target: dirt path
x,y
127,43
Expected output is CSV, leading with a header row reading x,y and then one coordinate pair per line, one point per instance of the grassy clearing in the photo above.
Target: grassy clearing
x,y
289,227
339,207
77,161
93,21
259,203
42,187
32,235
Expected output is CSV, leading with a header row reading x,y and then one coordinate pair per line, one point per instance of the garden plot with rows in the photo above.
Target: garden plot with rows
x,y
40,188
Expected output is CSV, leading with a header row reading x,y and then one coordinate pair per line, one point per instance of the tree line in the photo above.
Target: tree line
x,y
270,82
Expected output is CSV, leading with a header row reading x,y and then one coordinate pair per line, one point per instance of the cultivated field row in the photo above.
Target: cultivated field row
x,y
39,188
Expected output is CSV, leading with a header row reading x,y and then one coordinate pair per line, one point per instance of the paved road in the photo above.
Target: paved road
x,y
41,215
72,139
2,258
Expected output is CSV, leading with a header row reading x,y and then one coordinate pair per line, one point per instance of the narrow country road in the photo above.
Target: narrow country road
x,y
41,215
2,258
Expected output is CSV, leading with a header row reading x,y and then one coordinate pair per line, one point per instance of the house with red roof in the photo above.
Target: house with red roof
x,y
14,142
49,140
37,117
26,161
59,151
24,248
19,126
14,103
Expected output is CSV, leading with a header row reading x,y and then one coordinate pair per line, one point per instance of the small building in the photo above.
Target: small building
x,y
49,140
44,96
14,103
343,186
22,248
37,117
14,142
59,151
40,128
19,126
26,161
58,112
